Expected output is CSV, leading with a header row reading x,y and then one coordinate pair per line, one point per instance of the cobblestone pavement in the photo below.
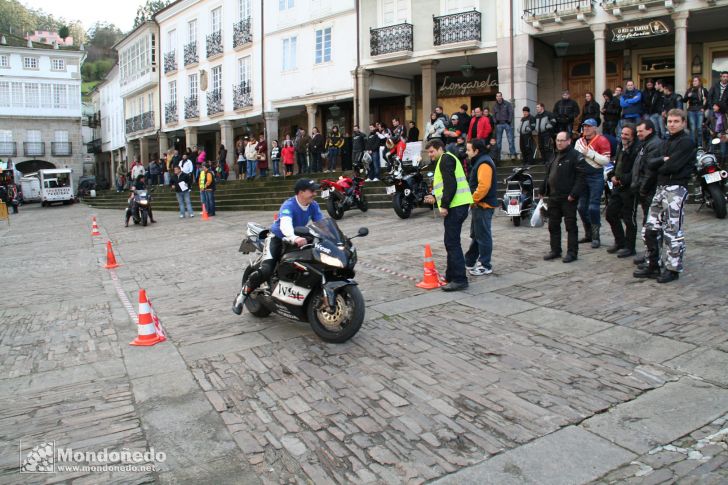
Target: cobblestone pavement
x,y
539,373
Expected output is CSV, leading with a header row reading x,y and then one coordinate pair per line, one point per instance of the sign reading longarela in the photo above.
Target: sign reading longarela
x,y
650,29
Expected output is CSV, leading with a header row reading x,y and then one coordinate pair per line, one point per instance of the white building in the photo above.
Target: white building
x,y
110,143
138,66
40,105
211,86
310,56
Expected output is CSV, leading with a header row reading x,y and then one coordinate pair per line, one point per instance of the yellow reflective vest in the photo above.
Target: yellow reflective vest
x,y
462,192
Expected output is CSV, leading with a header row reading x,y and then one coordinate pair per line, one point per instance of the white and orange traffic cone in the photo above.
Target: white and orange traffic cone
x,y
94,227
110,258
432,278
205,216
148,332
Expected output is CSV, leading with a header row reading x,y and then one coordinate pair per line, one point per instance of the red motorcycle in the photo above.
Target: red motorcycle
x,y
343,194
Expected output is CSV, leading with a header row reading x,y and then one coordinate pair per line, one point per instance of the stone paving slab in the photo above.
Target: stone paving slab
x,y
568,456
710,364
548,319
651,348
497,304
661,416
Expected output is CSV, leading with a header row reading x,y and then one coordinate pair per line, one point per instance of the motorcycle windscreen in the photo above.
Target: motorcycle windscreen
x,y
326,229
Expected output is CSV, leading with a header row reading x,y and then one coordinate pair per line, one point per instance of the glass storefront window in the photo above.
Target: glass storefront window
x,y
719,64
657,63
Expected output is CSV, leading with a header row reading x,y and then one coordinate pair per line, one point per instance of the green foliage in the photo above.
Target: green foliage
x,y
17,19
104,35
96,70
64,32
146,11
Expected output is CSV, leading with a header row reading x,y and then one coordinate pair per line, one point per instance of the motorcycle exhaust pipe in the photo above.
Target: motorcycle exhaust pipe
x,y
723,174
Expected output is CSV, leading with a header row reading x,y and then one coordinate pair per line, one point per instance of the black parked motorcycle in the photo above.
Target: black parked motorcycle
x,y
140,207
313,284
408,186
710,190
518,200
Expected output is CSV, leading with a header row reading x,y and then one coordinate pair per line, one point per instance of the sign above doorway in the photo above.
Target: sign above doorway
x,y
455,84
652,28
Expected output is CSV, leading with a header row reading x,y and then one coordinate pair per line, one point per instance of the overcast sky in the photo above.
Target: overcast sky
x,y
118,12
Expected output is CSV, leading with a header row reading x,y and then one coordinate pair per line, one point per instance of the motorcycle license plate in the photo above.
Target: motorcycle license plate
x,y
712,177
325,194
391,190
514,210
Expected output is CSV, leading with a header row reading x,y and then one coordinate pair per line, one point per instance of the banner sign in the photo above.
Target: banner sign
x,y
629,32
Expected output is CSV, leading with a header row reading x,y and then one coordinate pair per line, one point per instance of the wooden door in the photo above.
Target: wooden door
x,y
578,76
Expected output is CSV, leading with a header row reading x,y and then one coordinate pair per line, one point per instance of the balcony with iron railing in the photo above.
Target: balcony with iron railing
x,y
170,113
457,30
214,44
170,61
191,56
94,146
535,10
8,149
214,102
242,95
133,124
392,41
242,33
61,148
33,148
192,109
140,122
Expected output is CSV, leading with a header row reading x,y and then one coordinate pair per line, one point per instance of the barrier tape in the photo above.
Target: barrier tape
x,y
388,271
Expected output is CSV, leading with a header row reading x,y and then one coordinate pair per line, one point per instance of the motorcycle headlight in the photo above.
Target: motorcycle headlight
x,y
143,202
331,261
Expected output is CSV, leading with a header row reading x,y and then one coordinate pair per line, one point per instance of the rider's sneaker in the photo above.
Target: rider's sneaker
x,y
479,270
375,180
192,215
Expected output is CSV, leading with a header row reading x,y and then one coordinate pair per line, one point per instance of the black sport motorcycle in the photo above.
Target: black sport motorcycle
x,y
710,190
408,186
314,283
518,200
140,207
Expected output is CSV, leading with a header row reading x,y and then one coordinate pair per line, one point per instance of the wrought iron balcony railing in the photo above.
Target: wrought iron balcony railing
x,y
556,8
170,61
214,102
242,95
33,148
457,27
8,149
133,124
391,39
148,120
61,148
170,113
191,56
191,108
242,33
94,146
214,44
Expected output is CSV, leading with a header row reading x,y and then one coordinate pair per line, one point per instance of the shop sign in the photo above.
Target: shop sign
x,y
629,32
462,86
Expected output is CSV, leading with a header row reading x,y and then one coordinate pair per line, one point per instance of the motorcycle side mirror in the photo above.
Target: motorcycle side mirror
x,y
363,231
715,141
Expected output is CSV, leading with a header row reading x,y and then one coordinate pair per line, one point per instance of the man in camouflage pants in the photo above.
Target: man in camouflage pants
x,y
667,211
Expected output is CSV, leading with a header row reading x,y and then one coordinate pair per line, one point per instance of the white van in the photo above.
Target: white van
x,y
56,185
30,187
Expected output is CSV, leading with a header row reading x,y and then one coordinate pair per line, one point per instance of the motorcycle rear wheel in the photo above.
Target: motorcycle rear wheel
x,y
718,201
333,206
401,207
344,323
516,220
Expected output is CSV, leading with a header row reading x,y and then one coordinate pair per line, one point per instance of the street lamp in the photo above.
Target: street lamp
x,y
561,47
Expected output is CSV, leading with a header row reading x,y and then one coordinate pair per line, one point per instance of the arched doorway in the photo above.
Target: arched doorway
x,y
30,166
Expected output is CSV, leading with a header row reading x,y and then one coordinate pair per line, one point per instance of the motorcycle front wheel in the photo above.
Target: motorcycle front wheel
x,y
718,200
333,206
145,216
344,322
363,203
401,206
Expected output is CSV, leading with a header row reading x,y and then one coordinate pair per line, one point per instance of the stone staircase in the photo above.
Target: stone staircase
x,y
263,195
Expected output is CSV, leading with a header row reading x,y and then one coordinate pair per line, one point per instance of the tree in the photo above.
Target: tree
x,y
146,12
104,35
63,33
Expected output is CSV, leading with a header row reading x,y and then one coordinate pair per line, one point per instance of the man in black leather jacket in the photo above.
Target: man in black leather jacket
x,y
622,205
563,183
667,210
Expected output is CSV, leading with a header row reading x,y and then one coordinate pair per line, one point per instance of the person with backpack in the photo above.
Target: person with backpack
x,y
207,189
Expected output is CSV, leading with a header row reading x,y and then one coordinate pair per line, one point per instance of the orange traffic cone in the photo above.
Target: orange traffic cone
x,y
204,213
432,278
110,258
147,331
94,227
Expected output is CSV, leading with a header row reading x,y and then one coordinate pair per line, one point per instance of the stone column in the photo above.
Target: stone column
x,y
190,136
429,88
271,126
227,138
311,111
143,150
681,51
163,144
130,154
362,101
600,60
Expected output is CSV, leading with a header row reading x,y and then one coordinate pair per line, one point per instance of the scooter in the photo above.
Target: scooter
x,y
518,200
407,185
710,190
314,283
343,194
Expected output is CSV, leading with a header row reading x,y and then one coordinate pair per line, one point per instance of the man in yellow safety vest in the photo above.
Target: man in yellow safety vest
x,y
452,194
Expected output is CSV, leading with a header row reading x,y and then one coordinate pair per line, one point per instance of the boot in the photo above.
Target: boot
x,y
595,242
587,234
650,271
668,276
